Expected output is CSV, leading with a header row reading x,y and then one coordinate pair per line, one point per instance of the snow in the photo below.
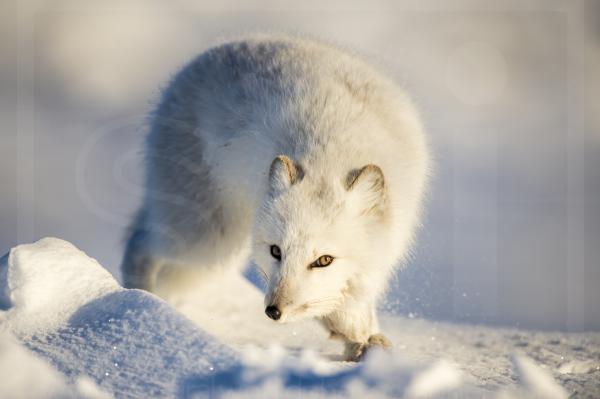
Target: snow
x,y
382,375
579,367
70,330
52,268
440,377
48,380
539,381
30,368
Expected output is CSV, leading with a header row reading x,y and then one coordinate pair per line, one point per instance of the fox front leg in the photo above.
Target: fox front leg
x,y
357,326
356,351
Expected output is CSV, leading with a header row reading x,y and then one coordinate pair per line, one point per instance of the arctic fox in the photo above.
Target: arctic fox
x,y
294,153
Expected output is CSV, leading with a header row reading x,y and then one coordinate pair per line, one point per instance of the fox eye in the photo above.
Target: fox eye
x,y
276,252
323,261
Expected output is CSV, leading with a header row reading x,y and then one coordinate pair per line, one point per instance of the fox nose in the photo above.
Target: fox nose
x,y
273,312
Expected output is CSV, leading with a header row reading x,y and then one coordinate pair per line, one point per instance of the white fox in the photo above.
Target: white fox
x,y
297,154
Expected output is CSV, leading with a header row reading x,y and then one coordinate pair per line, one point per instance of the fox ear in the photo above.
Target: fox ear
x,y
283,173
368,185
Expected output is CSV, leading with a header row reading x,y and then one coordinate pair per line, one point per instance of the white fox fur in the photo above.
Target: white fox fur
x,y
288,142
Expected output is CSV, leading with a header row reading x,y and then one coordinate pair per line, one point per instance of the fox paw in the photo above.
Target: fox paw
x,y
355,351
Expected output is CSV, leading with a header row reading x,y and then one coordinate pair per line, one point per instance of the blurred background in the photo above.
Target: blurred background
x,y
509,92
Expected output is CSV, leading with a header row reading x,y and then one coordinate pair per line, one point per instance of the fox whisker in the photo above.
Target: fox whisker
x,y
263,274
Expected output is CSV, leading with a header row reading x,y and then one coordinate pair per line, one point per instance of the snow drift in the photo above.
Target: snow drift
x,y
70,330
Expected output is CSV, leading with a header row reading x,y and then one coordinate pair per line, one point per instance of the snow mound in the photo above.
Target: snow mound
x,y
48,281
69,310
133,344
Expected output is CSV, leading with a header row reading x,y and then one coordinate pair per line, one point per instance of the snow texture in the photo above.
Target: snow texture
x,y
71,331
539,382
24,368
52,269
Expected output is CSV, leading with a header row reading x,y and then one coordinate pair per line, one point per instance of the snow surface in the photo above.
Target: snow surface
x,y
32,377
69,330
57,280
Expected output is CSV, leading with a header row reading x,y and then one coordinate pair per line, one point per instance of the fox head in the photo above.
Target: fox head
x,y
316,238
